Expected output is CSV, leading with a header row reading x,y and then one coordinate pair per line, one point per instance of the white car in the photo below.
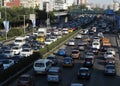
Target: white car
x,y
53,38
7,63
111,50
100,34
8,53
79,36
48,41
16,50
71,42
108,55
96,44
26,52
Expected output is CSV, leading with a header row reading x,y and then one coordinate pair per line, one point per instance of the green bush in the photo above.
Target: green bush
x,y
19,66
15,32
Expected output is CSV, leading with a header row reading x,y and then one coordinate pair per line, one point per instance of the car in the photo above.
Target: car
x,y
48,41
53,38
109,61
8,53
77,84
96,44
108,55
111,50
71,42
100,34
78,36
75,54
110,69
68,62
53,58
104,48
7,63
61,52
26,80
16,50
89,61
95,50
54,74
83,73
81,46
26,52
41,66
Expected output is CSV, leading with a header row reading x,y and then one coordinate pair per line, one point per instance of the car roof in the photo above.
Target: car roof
x,y
84,68
76,84
54,69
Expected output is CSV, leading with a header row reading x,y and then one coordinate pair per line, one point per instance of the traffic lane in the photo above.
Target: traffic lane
x,y
97,76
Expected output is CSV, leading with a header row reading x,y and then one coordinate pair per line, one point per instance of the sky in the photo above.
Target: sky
x,y
106,2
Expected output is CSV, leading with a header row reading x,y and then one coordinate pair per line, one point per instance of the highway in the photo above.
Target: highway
x,y
69,75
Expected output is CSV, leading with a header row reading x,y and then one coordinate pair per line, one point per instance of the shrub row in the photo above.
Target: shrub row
x,y
5,74
54,44
24,62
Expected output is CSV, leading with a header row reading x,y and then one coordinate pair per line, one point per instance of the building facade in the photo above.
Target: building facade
x,y
12,3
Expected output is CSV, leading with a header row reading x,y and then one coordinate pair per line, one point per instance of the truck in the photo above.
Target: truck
x,y
41,36
42,31
106,42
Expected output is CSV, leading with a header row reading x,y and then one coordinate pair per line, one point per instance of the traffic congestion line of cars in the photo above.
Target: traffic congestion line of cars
x,y
91,46
48,65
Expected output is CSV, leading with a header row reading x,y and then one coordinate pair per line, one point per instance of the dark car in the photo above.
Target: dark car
x,y
89,61
68,62
61,52
109,61
104,48
110,69
84,73
95,50
26,80
53,58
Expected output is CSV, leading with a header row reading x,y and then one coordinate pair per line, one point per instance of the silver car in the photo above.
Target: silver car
x,y
54,74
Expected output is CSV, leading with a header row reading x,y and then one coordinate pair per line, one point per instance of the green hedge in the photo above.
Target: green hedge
x,y
54,44
18,66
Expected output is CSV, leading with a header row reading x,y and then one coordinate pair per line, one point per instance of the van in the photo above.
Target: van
x,y
41,66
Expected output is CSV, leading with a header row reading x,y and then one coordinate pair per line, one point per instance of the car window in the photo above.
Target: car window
x,y
39,65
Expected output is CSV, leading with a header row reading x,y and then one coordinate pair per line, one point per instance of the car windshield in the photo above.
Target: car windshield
x,y
95,43
67,60
24,78
15,48
88,59
39,64
53,72
83,70
50,57
110,67
18,40
7,52
74,52
25,50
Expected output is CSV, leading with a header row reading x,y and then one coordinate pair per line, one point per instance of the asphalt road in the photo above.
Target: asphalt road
x,y
69,75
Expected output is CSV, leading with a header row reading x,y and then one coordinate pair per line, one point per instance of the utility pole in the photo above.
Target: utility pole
x,y
24,23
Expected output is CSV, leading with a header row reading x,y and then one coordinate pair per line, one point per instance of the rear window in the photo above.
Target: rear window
x,y
39,65
22,78
75,52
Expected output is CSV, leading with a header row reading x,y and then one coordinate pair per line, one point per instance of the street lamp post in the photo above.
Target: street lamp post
x,y
24,23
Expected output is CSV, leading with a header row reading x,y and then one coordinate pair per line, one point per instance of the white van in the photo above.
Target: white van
x,y
41,66
96,44
19,41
